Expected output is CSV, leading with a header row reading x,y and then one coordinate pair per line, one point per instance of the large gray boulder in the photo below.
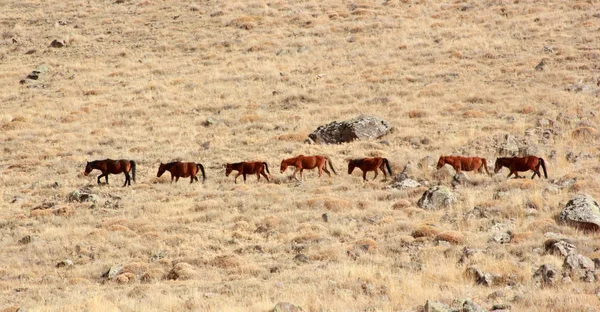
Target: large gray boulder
x,y
583,212
436,197
359,128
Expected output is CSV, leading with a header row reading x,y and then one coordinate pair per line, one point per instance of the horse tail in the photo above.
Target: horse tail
x,y
387,165
266,167
132,169
484,162
331,165
199,166
543,163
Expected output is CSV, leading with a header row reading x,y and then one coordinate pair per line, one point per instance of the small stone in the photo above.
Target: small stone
x,y
287,307
325,217
113,271
58,43
301,258
64,263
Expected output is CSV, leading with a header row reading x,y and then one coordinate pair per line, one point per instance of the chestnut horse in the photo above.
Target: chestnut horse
x,y
516,164
181,169
109,166
244,168
460,163
370,164
302,162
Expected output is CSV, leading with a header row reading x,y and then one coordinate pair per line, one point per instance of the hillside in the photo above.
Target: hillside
x,y
218,81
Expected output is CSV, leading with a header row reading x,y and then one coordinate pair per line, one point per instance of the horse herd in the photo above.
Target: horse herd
x,y
301,162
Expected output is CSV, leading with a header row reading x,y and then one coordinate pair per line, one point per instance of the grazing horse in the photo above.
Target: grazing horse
x,y
182,169
109,166
302,162
370,164
516,164
244,168
460,163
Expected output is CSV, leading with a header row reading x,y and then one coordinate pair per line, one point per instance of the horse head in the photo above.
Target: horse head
x,y
441,162
498,165
161,169
351,166
88,168
284,166
228,169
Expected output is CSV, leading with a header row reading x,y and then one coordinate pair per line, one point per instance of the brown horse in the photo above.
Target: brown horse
x,y
302,162
109,166
460,163
370,164
244,168
516,164
181,169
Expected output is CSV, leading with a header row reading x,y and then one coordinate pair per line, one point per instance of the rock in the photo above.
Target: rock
x,y
582,212
27,239
559,247
481,278
405,184
466,305
287,307
436,197
301,258
83,196
210,121
546,275
460,179
58,43
359,128
500,238
113,271
13,309
64,263
501,307
434,306
325,217
181,271
581,266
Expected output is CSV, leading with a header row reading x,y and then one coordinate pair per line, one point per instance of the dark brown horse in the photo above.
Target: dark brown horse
x,y
460,163
516,164
370,164
182,169
109,166
244,168
302,162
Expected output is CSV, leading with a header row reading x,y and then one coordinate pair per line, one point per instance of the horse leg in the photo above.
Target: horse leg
x,y
236,176
244,175
296,171
257,176
172,177
326,171
100,176
264,175
191,179
509,174
376,174
365,176
382,168
106,178
127,179
176,179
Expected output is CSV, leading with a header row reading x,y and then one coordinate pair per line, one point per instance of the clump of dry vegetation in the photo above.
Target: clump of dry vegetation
x,y
215,82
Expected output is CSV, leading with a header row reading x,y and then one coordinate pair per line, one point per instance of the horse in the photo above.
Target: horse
x,y
302,162
244,168
109,166
370,164
516,164
181,169
460,163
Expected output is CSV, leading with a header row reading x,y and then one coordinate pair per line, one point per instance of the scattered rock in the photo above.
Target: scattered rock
x,y
287,307
436,197
434,306
501,238
460,179
64,263
501,307
301,258
581,266
540,66
83,196
112,272
466,305
359,128
325,217
27,239
210,121
405,184
481,278
582,212
559,247
546,276
58,43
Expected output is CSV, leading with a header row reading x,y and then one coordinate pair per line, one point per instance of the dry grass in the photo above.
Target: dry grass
x,y
216,82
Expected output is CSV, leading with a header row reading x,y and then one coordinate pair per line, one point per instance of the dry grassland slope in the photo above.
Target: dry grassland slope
x,y
225,81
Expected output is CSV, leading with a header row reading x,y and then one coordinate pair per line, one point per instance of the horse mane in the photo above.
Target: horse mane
x,y
357,161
